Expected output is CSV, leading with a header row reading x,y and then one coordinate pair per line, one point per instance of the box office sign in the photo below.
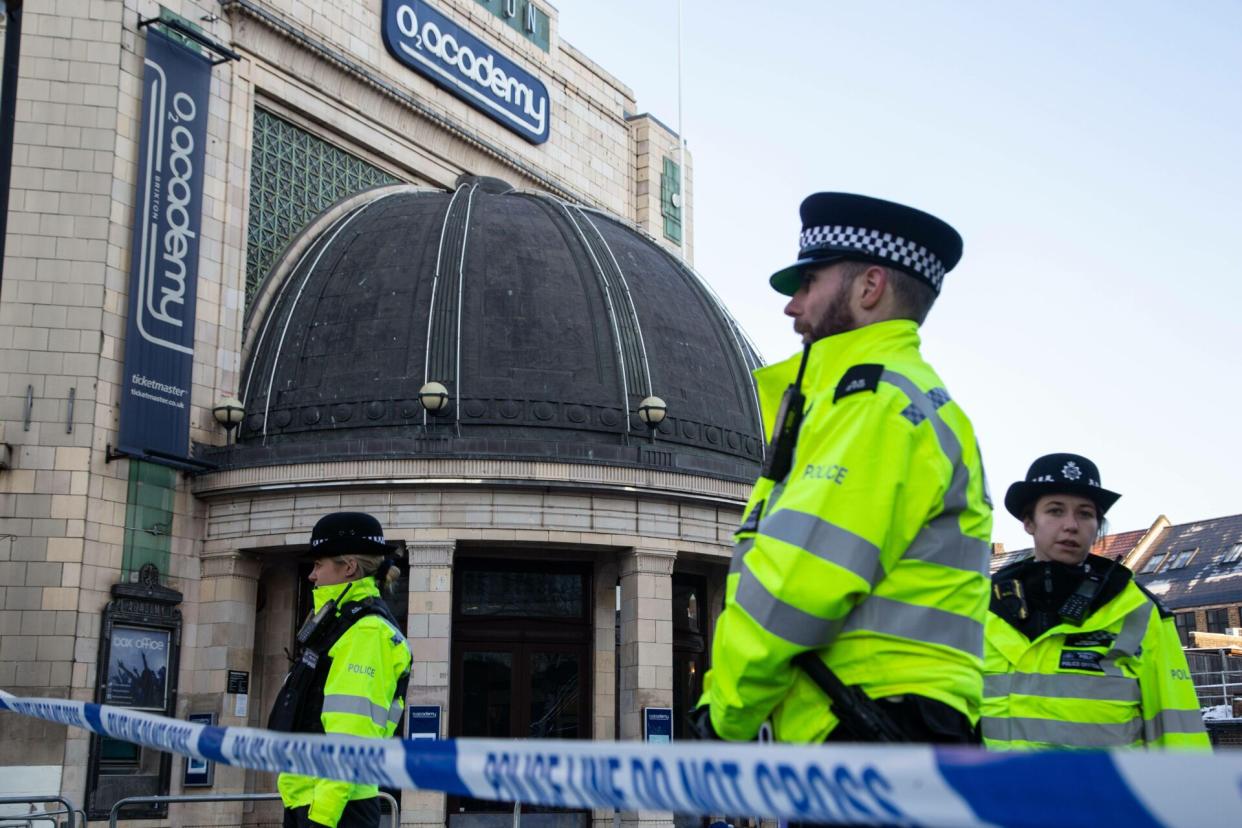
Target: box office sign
x,y
431,44
138,668
163,276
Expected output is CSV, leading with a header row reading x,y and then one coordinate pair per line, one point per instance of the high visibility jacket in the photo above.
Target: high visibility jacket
x,y
1117,680
359,698
872,551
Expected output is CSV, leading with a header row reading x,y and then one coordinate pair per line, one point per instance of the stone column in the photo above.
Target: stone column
x,y
430,634
646,653
604,656
223,640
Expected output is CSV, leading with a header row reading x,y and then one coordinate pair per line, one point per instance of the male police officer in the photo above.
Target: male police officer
x,y
864,545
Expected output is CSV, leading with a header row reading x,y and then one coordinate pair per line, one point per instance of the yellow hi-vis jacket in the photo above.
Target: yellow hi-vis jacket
x,y
872,551
1118,680
368,661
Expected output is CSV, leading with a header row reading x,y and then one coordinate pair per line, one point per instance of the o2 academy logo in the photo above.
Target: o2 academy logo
x,y
168,246
434,46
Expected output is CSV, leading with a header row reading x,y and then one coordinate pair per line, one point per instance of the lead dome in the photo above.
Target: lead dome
x,y
547,322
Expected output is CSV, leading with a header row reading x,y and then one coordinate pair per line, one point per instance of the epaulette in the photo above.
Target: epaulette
x,y
857,379
1164,611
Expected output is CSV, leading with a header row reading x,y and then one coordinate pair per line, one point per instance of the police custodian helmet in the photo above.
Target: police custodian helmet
x,y
347,533
1070,474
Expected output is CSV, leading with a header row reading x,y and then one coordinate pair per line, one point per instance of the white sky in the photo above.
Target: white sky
x,y
1087,152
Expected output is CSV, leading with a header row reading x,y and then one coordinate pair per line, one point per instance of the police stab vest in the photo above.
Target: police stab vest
x,y
300,702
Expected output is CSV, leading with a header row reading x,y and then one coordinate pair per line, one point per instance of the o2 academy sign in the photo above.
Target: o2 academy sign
x,y
159,339
434,46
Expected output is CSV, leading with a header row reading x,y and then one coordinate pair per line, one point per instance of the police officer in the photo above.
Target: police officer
x,y
862,554
351,670
1077,654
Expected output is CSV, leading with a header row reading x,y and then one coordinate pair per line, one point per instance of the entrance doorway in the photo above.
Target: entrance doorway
x,y
521,667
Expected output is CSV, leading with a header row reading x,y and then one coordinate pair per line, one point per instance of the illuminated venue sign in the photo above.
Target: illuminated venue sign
x,y
434,46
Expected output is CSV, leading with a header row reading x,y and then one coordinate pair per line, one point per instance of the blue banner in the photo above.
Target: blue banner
x,y
163,273
894,785
431,44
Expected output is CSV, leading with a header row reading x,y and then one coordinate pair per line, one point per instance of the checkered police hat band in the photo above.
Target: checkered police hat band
x,y
373,538
906,254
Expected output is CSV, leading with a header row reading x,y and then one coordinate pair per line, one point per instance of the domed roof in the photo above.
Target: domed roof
x,y
547,323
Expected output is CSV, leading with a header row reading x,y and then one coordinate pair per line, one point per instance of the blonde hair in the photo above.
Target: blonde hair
x,y
368,566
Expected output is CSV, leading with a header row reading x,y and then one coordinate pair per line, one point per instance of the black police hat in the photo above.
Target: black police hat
x,y
838,226
1059,474
347,533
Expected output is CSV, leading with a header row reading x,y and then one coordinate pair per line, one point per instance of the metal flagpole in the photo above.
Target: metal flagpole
x,y
8,110
681,142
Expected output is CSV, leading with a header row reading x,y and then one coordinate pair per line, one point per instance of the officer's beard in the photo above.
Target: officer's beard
x,y
838,317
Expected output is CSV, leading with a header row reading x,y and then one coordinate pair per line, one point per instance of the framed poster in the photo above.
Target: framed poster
x,y
199,773
138,667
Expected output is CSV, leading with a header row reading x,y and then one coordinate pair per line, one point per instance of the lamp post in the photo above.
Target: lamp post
x,y
229,412
651,411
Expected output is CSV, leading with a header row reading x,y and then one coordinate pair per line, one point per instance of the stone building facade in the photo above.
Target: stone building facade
x,y
529,474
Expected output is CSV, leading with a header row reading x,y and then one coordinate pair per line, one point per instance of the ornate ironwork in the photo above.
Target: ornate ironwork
x,y
294,176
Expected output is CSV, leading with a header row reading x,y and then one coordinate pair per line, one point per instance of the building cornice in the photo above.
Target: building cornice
x,y
461,473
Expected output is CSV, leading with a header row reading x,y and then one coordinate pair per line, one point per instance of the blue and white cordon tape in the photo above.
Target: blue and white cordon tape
x,y
844,784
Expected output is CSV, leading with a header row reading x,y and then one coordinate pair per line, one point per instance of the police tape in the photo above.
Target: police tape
x,y
838,784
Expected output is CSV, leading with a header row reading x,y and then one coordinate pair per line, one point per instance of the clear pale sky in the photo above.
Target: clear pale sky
x,y
1087,152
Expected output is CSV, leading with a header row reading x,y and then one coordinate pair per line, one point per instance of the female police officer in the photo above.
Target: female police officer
x,y
351,670
1076,654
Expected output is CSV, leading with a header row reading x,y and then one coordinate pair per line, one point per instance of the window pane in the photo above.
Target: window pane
x,y
554,696
1153,563
1185,622
487,688
686,605
522,594
687,688
1182,559
1217,620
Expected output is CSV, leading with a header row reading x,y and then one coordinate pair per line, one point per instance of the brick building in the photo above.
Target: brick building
x,y
370,223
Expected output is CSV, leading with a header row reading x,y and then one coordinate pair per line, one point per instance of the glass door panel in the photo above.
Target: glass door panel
x,y
555,691
521,658
487,694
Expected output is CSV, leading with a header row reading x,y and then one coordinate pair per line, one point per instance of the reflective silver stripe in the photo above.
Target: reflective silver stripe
x,y
927,624
942,542
1129,639
338,703
1066,734
781,619
1173,721
826,541
739,551
1063,686
948,440
394,711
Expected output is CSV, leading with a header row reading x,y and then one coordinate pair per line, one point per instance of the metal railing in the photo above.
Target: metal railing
x,y
46,816
1217,674
194,799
